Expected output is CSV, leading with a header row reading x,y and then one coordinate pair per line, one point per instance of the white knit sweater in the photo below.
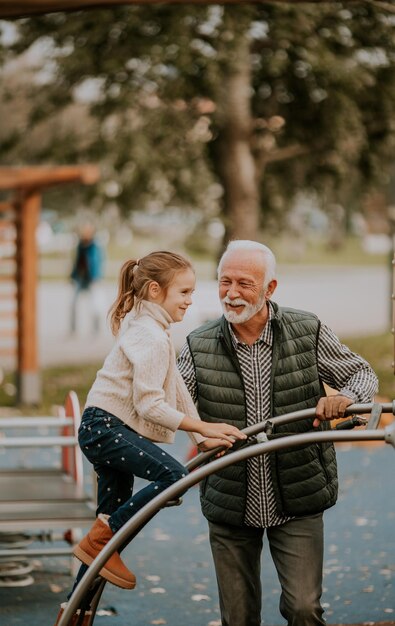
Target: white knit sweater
x,y
139,382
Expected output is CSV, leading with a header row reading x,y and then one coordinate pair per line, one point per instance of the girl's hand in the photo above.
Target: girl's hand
x,y
211,444
226,432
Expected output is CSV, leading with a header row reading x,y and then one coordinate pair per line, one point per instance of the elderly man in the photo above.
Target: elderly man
x,y
260,360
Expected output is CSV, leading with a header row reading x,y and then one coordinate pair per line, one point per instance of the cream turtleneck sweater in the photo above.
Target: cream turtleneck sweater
x,y
139,382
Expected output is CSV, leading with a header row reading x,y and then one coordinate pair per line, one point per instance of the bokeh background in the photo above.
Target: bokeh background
x,y
269,121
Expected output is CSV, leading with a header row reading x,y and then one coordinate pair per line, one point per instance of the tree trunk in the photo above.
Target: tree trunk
x,y
236,164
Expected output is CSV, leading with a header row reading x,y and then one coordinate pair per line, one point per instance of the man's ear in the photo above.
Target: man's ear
x,y
271,289
154,290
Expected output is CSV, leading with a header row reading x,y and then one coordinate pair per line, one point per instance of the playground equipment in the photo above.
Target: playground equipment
x,y
43,496
88,592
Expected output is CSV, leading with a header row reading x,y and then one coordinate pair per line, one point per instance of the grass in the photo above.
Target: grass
x,y
315,251
378,350
57,381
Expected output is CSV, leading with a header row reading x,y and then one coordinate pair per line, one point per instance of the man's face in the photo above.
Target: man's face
x,y
242,288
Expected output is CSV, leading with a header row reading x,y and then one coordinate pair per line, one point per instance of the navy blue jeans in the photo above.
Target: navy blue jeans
x,y
118,454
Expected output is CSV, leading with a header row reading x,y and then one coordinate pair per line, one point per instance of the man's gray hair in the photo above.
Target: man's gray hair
x,y
269,259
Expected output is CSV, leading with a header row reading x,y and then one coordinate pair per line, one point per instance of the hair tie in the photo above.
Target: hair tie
x,y
136,266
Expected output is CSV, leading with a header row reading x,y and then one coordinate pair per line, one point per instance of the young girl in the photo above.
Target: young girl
x,y
139,398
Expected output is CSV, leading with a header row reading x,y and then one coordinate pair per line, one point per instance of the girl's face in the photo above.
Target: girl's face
x,y
178,296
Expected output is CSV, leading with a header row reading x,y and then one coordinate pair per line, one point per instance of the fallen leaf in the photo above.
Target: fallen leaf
x,y
107,610
159,535
385,572
197,597
202,538
157,590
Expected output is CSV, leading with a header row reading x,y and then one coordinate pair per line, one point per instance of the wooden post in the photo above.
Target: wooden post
x,y
8,302
28,182
28,377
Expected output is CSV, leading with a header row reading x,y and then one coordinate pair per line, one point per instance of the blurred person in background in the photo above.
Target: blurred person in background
x,y
86,274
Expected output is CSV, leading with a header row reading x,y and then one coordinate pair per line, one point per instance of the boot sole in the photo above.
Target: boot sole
x,y
104,572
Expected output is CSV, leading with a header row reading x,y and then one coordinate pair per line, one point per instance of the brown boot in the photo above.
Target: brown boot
x,y
74,619
89,547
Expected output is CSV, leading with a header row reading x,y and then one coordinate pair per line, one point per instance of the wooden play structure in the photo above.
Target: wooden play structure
x,y
19,218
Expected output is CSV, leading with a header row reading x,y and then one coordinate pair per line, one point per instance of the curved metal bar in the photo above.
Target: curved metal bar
x,y
202,458
96,600
188,481
295,416
96,592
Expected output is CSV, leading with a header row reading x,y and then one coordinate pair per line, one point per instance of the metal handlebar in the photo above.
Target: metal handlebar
x,y
295,416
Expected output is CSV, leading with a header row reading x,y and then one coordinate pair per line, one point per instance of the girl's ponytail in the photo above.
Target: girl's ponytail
x,y
125,298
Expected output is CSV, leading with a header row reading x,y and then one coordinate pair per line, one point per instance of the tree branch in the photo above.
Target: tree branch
x,y
380,4
23,8
264,157
289,152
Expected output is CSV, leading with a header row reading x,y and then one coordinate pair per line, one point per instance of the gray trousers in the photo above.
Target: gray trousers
x,y
296,548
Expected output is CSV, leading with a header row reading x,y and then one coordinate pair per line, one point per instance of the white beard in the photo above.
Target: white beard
x,y
248,312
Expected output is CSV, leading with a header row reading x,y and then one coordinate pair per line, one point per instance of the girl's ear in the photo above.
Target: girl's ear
x,y
154,290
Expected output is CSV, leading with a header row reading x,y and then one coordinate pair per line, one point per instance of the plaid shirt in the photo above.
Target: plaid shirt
x,y
338,367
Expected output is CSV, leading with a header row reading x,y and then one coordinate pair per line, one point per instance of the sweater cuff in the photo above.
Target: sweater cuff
x,y
197,438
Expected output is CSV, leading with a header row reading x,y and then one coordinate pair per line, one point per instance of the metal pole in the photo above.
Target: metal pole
x,y
388,435
295,416
204,457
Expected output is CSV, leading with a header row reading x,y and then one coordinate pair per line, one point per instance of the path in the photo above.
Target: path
x,y
352,301
176,580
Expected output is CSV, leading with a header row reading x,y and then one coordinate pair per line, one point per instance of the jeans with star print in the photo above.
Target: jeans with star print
x,y
118,454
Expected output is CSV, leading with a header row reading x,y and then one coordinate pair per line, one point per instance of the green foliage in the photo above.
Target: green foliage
x,y
378,350
322,80
329,73
56,383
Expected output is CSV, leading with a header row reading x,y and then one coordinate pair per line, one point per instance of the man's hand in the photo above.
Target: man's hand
x,y
330,408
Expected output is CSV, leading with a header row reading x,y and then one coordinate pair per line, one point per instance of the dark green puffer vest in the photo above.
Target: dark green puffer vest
x,y
304,478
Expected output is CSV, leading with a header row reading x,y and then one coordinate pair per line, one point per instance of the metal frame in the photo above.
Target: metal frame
x,y
136,523
52,498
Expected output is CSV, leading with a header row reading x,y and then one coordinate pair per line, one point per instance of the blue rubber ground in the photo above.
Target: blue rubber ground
x,y
176,579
